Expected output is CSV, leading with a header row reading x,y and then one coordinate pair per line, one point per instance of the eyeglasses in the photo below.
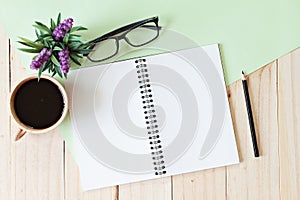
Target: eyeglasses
x,y
136,34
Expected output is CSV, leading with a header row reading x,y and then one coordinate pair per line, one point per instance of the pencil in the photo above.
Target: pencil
x,y
250,116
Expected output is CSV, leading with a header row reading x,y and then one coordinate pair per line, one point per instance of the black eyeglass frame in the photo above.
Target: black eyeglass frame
x,y
126,29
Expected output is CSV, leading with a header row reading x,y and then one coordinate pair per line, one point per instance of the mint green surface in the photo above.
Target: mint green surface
x,y
251,33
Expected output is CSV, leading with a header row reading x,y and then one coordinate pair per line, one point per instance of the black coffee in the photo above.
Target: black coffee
x,y
39,104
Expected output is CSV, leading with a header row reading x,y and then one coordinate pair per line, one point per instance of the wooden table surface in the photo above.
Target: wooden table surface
x,y
41,167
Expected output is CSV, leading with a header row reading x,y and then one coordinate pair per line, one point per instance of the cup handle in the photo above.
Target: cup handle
x,y
20,134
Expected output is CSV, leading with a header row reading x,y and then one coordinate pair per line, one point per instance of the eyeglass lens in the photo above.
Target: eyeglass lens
x,y
136,37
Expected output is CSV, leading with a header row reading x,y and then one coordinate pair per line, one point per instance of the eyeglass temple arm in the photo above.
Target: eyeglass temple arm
x,y
152,27
124,28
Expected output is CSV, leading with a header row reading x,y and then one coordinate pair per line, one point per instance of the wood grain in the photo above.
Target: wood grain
x,y
146,190
5,154
73,189
206,184
37,160
255,178
41,168
289,124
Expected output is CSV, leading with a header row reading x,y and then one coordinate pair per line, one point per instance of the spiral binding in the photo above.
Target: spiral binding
x,y
150,116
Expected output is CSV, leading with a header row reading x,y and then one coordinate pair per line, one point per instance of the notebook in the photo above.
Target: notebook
x,y
151,117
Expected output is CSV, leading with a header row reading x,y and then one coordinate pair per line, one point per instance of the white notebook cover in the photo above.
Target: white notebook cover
x,y
189,98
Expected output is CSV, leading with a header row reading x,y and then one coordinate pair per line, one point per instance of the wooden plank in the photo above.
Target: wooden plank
x,y
289,124
146,190
33,167
206,184
255,178
73,189
37,159
5,169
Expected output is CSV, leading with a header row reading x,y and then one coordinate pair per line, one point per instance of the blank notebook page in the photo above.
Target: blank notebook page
x,y
151,117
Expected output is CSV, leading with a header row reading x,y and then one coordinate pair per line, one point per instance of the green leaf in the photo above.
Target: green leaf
x,y
36,33
26,40
84,47
66,76
50,44
42,69
46,44
78,28
47,65
58,19
88,44
40,72
74,46
74,59
66,38
41,24
58,71
42,27
54,60
44,37
77,55
84,51
49,38
29,50
53,25
75,38
29,43
53,73
75,35
57,48
38,40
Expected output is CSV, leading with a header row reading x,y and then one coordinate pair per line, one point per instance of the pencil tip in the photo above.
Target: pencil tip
x,y
243,75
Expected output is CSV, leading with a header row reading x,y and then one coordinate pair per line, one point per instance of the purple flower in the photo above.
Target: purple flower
x,y
64,61
41,59
60,31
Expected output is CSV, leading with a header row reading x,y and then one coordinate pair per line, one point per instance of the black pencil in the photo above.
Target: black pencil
x,y
250,116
